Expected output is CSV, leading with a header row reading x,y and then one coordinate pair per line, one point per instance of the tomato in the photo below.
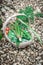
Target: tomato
x,y
7,29
7,32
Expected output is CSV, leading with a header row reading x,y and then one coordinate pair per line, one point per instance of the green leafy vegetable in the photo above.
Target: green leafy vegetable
x,y
26,35
13,37
28,11
1,35
23,18
39,15
0,23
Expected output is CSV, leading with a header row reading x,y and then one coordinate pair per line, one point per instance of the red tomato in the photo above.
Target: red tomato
x,y
7,29
7,32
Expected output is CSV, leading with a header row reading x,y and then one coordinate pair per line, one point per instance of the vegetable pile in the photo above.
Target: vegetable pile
x,y
18,30
1,34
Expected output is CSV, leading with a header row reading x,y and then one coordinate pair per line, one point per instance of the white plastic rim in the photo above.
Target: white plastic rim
x,y
23,44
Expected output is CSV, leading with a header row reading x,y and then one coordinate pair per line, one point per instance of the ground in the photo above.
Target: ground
x,y
31,55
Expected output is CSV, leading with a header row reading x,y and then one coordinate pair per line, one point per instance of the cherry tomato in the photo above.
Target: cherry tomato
x,y
7,29
7,32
